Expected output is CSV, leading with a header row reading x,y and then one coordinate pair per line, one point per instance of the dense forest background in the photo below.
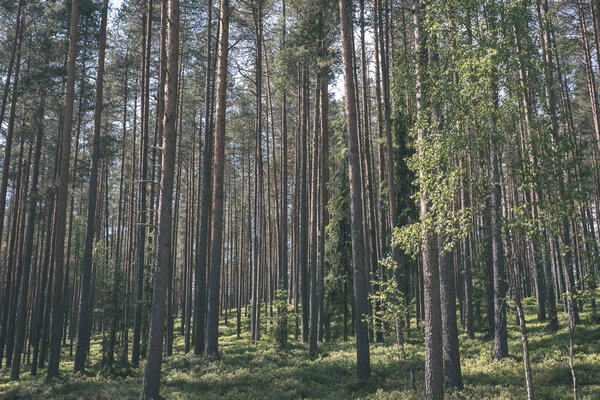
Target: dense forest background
x,y
299,199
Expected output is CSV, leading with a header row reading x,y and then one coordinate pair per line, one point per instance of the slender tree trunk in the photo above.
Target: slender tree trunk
x,y
314,226
37,313
151,383
500,283
8,302
212,328
21,318
551,105
387,113
283,271
500,335
452,370
467,264
358,240
380,153
303,209
143,173
13,63
324,215
61,200
14,246
205,200
85,311
589,72
523,329
118,276
434,385
259,218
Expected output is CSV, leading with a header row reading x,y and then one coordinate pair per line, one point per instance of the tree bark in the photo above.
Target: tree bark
x,y
324,318
452,370
434,386
523,330
303,202
61,200
205,200
142,200
283,271
500,283
8,140
314,226
358,257
21,318
85,311
8,303
212,327
151,383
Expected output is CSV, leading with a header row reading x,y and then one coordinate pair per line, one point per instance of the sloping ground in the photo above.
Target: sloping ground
x,y
245,371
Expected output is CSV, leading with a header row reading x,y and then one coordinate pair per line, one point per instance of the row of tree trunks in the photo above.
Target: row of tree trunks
x,y
358,240
85,311
61,200
212,326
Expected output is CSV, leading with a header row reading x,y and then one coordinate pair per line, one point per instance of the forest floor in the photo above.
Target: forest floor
x,y
246,371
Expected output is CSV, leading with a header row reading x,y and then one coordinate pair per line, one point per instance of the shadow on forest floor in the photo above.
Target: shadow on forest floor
x,y
261,371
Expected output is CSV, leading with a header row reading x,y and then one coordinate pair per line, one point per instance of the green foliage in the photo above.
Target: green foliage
x,y
338,246
311,20
263,371
394,303
280,318
109,284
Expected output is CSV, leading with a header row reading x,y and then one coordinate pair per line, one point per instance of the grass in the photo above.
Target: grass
x,y
246,371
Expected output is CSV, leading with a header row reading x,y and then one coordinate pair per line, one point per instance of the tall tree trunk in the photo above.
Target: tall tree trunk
x,y
7,300
151,383
36,316
85,310
118,275
314,225
14,246
589,72
61,200
551,105
500,335
368,182
259,231
387,115
523,329
142,200
32,202
500,285
303,202
434,385
205,199
467,265
324,215
212,326
452,371
283,271
13,63
361,307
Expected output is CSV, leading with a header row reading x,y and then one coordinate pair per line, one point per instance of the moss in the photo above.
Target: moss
x,y
261,371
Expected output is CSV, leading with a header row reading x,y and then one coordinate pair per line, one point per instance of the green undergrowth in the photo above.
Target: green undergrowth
x,y
262,371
